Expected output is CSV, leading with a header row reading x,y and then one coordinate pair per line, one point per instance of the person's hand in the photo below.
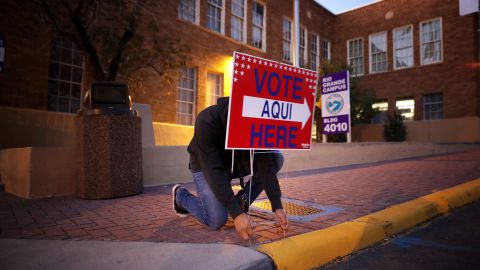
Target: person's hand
x,y
242,225
282,219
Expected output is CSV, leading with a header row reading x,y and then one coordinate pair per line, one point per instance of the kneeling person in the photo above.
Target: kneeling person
x,y
211,164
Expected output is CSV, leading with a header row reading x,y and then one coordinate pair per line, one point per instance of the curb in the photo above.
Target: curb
x,y
317,248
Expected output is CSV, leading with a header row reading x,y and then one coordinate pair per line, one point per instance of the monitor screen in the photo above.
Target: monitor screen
x,y
109,94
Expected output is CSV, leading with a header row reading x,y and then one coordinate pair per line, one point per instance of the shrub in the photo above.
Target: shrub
x,y
394,129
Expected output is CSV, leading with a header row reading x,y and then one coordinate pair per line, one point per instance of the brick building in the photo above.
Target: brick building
x,y
435,75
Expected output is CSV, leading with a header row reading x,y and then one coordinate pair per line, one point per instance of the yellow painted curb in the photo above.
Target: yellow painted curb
x,y
317,248
308,250
398,218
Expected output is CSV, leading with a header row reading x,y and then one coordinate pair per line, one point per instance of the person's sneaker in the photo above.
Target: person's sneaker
x,y
181,212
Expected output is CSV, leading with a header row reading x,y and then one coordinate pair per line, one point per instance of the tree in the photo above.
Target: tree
x,y
119,37
361,100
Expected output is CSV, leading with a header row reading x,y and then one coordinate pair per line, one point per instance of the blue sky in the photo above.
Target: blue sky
x,y
338,6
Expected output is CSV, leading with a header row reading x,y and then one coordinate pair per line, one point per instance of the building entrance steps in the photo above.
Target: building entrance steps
x,y
357,191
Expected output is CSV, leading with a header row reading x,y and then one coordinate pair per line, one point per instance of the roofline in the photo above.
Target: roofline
x,y
359,7
320,5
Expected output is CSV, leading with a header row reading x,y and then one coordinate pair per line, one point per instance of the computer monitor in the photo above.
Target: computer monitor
x,y
111,98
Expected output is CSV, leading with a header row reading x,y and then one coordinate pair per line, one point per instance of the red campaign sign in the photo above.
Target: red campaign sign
x,y
271,105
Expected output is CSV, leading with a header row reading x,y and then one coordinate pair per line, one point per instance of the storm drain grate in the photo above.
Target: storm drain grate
x,y
296,210
293,209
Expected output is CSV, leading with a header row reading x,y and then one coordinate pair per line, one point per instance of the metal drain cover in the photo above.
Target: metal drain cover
x,y
297,210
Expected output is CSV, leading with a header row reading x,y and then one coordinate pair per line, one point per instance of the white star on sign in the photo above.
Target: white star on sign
x,y
281,67
235,79
254,60
271,64
248,66
243,65
236,71
259,62
249,59
237,56
265,63
243,57
241,73
236,64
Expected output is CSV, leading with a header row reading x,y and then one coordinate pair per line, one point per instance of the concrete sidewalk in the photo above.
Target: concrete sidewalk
x,y
19,254
353,191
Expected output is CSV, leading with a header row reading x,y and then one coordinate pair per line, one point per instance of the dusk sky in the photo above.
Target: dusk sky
x,y
337,6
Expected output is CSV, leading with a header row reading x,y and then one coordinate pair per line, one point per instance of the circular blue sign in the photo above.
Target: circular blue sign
x,y
335,103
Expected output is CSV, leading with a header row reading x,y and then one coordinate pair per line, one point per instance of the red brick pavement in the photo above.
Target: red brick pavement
x,y
148,217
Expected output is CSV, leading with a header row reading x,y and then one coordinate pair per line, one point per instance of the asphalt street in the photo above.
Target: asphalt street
x,y
448,242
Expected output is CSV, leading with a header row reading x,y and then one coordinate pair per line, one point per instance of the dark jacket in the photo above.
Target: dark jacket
x,y
208,154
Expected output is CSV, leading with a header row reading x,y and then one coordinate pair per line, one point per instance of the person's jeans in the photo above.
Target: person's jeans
x,y
205,206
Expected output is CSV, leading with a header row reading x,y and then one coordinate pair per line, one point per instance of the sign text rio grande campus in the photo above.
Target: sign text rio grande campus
x,y
271,105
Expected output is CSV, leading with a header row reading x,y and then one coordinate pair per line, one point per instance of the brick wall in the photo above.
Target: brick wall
x,y
211,50
455,77
24,80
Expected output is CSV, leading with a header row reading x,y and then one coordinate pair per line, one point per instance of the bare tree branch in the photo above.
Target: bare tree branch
x,y
127,35
86,44
53,19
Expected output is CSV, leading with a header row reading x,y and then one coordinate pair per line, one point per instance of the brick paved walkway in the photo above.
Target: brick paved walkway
x,y
148,217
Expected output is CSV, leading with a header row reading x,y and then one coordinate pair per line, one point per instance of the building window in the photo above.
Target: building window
x,y
406,107
355,56
382,116
65,76
381,106
287,40
215,15
187,85
188,10
378,52
403,47
326,50
433,107
214,88
238,20
302,59
431,41
314,52
258,27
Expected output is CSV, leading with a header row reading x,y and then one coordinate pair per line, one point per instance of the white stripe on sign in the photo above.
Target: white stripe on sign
x,y
263,108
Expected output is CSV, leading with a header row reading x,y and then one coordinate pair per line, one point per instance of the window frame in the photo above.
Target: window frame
x,y
197,13
303,59
208,94
193,103
370,55
413,107
284,40
314,54
394,57
74,50
222,16
244,21
430,112
264,25
329,49
362,41
422,63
